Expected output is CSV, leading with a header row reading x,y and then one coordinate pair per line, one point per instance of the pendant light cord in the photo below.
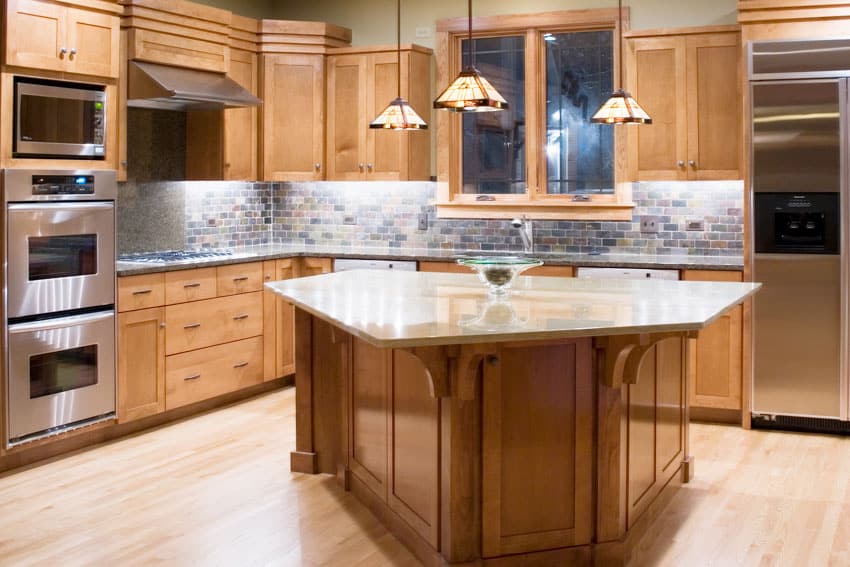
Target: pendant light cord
x,y
620,28
471,45
398,47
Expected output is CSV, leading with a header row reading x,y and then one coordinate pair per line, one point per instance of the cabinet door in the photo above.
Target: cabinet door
x,y
141,363
714,106
315,266
716,367
293,117
386,150
240,124
94,40
269,323
285,317
659,151
35,35
348,127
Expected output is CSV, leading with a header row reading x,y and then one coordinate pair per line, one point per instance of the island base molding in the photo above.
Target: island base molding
x,y
508,453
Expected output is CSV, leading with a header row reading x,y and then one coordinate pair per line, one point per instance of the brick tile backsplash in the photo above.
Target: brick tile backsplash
x,y
385,215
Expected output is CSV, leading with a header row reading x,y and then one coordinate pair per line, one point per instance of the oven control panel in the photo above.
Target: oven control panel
x,y
62,185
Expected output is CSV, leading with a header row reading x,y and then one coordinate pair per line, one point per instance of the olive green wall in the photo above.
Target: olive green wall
x,y
373,21
252,8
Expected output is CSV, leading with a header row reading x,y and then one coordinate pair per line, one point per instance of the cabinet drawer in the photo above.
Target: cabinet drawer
x,y
141,292
189,285
240,278
206,323
201,374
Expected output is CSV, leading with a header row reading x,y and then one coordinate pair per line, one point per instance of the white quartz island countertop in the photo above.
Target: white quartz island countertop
x,y
407,309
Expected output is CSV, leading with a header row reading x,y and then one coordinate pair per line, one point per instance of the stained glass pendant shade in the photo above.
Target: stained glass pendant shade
x,y
621,107
470,92
398,115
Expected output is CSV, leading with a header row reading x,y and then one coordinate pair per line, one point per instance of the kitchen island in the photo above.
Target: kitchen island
x,y
537,427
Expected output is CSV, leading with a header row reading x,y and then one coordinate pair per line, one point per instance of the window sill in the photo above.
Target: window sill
x,y
536,210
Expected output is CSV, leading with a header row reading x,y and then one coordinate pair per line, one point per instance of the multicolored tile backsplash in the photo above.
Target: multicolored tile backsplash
x,y
386,215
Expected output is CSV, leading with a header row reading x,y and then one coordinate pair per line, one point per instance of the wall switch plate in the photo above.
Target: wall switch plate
x,y
349,219
649,224
422,221
695,224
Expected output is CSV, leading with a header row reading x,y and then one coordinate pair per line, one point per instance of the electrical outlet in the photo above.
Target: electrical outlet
x,y
695,224
649,224
349,219
422,221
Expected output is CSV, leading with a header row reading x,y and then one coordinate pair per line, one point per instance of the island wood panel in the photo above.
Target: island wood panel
x,y
330,365
414,430
141,363
369,428
537,495
656,424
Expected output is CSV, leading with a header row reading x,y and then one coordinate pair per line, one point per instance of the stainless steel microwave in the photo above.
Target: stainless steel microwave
x,y
56,119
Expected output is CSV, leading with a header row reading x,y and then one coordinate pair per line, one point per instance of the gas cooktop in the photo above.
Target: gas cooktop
x,y
174,256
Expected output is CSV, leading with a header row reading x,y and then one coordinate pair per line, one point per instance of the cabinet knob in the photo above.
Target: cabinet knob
x,y
73,51
162,325
360,166
318,167
226,164
369,166
681,163
693,163
124,163
63,51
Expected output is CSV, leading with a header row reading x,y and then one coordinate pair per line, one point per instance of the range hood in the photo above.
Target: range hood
x,y
150,85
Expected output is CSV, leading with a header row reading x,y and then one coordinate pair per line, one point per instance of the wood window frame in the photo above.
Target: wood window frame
x,y
535,202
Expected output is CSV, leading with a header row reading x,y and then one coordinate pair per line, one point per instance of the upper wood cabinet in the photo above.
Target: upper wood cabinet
x,y
293,93
241,135
360,85
52,37
690,84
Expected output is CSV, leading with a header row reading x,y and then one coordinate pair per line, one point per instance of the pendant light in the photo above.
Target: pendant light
x,y
470,92
399,115
621,108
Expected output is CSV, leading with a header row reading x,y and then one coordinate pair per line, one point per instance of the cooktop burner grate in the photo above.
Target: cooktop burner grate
x,y
174,256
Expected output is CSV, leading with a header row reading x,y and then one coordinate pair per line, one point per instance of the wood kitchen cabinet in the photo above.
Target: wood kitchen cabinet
x,y
53,37
716,358
293,117
141,363
690,84
361,82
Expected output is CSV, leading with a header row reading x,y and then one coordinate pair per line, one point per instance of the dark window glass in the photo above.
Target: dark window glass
x,y
62,371
579,78
494,142
62,256
57,120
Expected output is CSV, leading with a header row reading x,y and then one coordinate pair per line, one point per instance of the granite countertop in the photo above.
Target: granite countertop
x,y
406,309
273,251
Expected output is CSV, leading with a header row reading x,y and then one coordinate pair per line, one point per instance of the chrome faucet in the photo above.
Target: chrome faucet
x,y
526,231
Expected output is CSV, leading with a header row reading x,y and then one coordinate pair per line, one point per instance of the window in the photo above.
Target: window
x,y
542,156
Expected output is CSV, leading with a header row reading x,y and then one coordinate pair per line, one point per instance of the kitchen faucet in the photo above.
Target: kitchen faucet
x,y
526,231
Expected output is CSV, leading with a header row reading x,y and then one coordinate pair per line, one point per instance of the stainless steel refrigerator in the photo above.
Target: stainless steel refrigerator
x,y
799,167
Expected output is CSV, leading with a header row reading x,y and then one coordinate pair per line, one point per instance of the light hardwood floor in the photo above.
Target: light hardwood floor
x,y
216,490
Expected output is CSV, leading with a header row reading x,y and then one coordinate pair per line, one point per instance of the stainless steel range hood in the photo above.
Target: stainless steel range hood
x,y
150,85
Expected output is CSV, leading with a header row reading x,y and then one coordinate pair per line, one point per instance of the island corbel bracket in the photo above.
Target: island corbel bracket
x,y
435,359
623,355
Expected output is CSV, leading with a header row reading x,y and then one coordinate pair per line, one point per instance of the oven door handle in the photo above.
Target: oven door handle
x,y
60,323
63,206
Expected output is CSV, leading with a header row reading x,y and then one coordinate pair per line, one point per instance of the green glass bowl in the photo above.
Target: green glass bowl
x,y
499,272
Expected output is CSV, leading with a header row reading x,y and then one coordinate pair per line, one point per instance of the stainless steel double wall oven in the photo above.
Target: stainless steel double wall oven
x,y
60,300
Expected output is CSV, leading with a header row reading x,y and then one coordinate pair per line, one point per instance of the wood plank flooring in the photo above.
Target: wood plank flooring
x,y
216,490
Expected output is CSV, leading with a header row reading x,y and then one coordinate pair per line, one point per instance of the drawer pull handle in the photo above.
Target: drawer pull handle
x,y
192,377
240,365
240,317
143,292
241,279
192,326
188,285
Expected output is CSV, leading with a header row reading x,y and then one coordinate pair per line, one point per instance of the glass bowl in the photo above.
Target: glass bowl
x,y
499,272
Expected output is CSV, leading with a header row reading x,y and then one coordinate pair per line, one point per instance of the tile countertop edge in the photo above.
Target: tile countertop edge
x,y
272,252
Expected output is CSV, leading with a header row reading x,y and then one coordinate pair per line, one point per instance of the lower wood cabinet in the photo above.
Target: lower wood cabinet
x,y
716,359
141,363
189,335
